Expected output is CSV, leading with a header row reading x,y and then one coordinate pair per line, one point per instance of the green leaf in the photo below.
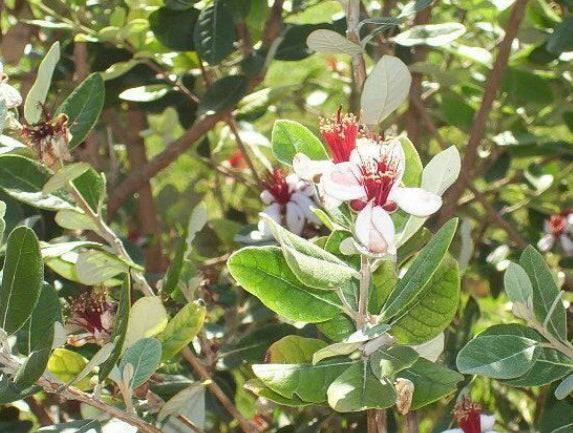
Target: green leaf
x,y
417,278
388,361
189,402
431,382
22,278
330,42
440,173
214,33
385,89
289,138
305,381
91,186
562,38
174,28
64,175
546,298
119,333
98,358
337,328
181,329
75,220
564,388
383,280
257,387
150,93
223,95
83,107
434,309
517,284
352,342
293,349
264,273
39,328
497,356
318,268
413,173
147,318
66,365
434,35
144,356
94,267
23,179
358,389
549,364
39,91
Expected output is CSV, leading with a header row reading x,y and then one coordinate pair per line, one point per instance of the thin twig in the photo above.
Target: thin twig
x,y
480,121
200,370
412,422
54,386
189,423
235,130
495,216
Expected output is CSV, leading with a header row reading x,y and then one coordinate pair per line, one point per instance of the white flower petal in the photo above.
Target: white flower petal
x,y
11,96
567,244
342,182
569,223
309,169
394,152
416,201
546,242
273,211
453,430
486,422
306,204
374,229
294,218
266,197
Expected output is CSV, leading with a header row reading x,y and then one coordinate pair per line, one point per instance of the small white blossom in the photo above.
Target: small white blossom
x,y
557,227
9,94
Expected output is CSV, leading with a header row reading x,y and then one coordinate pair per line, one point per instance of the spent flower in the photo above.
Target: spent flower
x,y
93,312
470,418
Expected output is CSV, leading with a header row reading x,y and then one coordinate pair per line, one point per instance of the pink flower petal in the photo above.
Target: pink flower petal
x,y
374,229
567,244
342,182
416,201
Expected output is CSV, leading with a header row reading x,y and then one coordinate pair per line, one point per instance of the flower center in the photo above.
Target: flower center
x,y
467,414
340,133
557,224
378,179
88,309
276,184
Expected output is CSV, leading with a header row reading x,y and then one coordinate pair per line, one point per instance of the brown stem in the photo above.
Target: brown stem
x,y
53,386
189,423
147,222
39,411
200,370
412,422
273,24
492,213
139,177
358,64
233,126
480,120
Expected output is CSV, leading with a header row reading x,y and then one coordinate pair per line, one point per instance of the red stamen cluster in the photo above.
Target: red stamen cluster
x,y
558,223
467,414
340,133
275,183
88,311
378,178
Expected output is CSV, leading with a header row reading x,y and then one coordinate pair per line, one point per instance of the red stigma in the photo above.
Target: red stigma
x,y
88,309
340,133
378,178
467,414
275,183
